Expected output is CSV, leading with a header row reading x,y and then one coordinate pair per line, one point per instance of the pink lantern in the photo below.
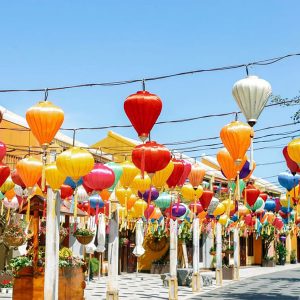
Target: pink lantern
x,y
278,223
100,178
187,167
2,150
149,210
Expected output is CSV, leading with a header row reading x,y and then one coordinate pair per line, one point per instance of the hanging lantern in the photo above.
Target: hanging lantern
x,y
270,205
176,173
288,181
17,179
160,178
223,220
54,177
151,157
186,172
220,209
4,173
251,194
143,109
130,201
178,210
156,214
227,164
66,191
152,193
141,184
293,150
251,95
122,194
191,194
196,207
44,120
100,178
75,162
129,172
163,201
139,207
243,210
82,195
245,170
2,151
118,171
264,196
236,137
148,211
291,164
206,198
30,170
196,175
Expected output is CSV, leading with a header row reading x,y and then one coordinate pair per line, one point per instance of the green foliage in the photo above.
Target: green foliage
x,y
20,262
83,232
293,255
94,265
185,233
281,251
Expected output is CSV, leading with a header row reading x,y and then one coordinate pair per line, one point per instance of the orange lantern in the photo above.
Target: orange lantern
x,y
129,173
228,167
196,175
105,194
156,214
75,162
131,201
30,170
236,137
44,120
10,194
54,177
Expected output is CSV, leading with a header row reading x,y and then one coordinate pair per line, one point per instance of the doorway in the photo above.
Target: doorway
x,y
243,251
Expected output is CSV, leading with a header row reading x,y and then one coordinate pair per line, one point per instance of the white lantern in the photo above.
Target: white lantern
x,y
251,95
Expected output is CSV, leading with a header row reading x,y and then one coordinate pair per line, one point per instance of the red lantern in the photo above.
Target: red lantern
x,y
143,109
4,173
87,188
176,173
263,196
100,178
186,172
2,151
151,157
206,198
251,193
196,207
278,223
292,165
65,191
248,220
17,179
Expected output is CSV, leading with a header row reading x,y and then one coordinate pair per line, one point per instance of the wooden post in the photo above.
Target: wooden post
x,y
219,275
112,292
173,283
196,287
35,237
236,254
52,246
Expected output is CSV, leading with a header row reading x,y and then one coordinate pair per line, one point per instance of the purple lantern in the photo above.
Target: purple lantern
x,y
145,196
178,210
245,171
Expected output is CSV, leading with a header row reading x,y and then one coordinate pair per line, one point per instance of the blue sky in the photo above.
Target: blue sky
x,y
54,43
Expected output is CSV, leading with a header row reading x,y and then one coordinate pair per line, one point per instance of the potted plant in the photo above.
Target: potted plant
x,y
293,258
21,265
63,232
268,261
227,271
6,286
229,250
83,235
281,253
212,250
14,235
157,240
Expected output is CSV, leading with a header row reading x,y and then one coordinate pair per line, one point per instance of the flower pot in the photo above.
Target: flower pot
x,y
84,239
25,271
3,290
227,273
293,262
212,253
229,252
9,291
268,263
14,241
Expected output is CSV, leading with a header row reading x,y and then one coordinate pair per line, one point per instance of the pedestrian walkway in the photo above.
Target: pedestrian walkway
x,y
149,286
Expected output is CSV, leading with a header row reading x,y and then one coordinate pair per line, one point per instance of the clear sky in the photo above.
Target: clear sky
x,y
54,43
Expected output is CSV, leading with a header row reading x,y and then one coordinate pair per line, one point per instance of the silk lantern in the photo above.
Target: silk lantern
x,y
44,120
66,191
129,173
7,185
293,149
292,165
288,181
2,151
223,220
139,207
150,157
148,211
178,210
54,177
191,194
4,173
206,198
17,179
159,179
141,184
118,170
196,175
196,207
143,109
176,173
100,177
75,162
264,196
186,171
122,194
220,209
150,194
163,201
270,205
251,194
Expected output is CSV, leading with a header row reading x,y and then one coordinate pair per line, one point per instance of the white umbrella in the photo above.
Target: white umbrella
x,y
139,239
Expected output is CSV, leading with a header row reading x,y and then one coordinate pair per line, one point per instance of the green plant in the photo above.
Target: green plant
x,y
281,252
83,232
185,233
15,230
267,235
94,265
66,259
20,262
124,241
269,258
212,249
5,283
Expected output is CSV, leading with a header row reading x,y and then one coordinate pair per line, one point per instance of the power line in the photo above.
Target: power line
x,y
264,62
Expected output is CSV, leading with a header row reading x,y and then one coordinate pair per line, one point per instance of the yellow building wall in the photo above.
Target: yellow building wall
x,y
291,244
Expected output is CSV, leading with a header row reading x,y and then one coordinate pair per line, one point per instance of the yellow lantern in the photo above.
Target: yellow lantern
x,y
293,150
54,177
139,208
131,201
122,194
191,194
129,173
284,200
7,185
160,177
243,210
223,219
226,203
220,209
141,184
75,162
122,212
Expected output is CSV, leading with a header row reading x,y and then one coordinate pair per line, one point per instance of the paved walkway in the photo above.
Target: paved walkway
x,y
149,286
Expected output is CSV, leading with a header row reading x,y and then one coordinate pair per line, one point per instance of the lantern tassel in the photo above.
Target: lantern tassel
x,y
251,155
44,159
75,203
28,209
2,206
8,214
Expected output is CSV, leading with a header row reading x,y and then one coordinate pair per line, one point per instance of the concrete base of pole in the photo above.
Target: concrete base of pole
x,y
173,289
112,295
196,285
236,273
219,276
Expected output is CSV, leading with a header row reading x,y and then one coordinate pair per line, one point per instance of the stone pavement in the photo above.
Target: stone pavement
x,y
149,286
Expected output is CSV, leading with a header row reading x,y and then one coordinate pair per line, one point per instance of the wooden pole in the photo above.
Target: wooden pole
x,y
173,283
196,276
219,275
35,237
236,254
